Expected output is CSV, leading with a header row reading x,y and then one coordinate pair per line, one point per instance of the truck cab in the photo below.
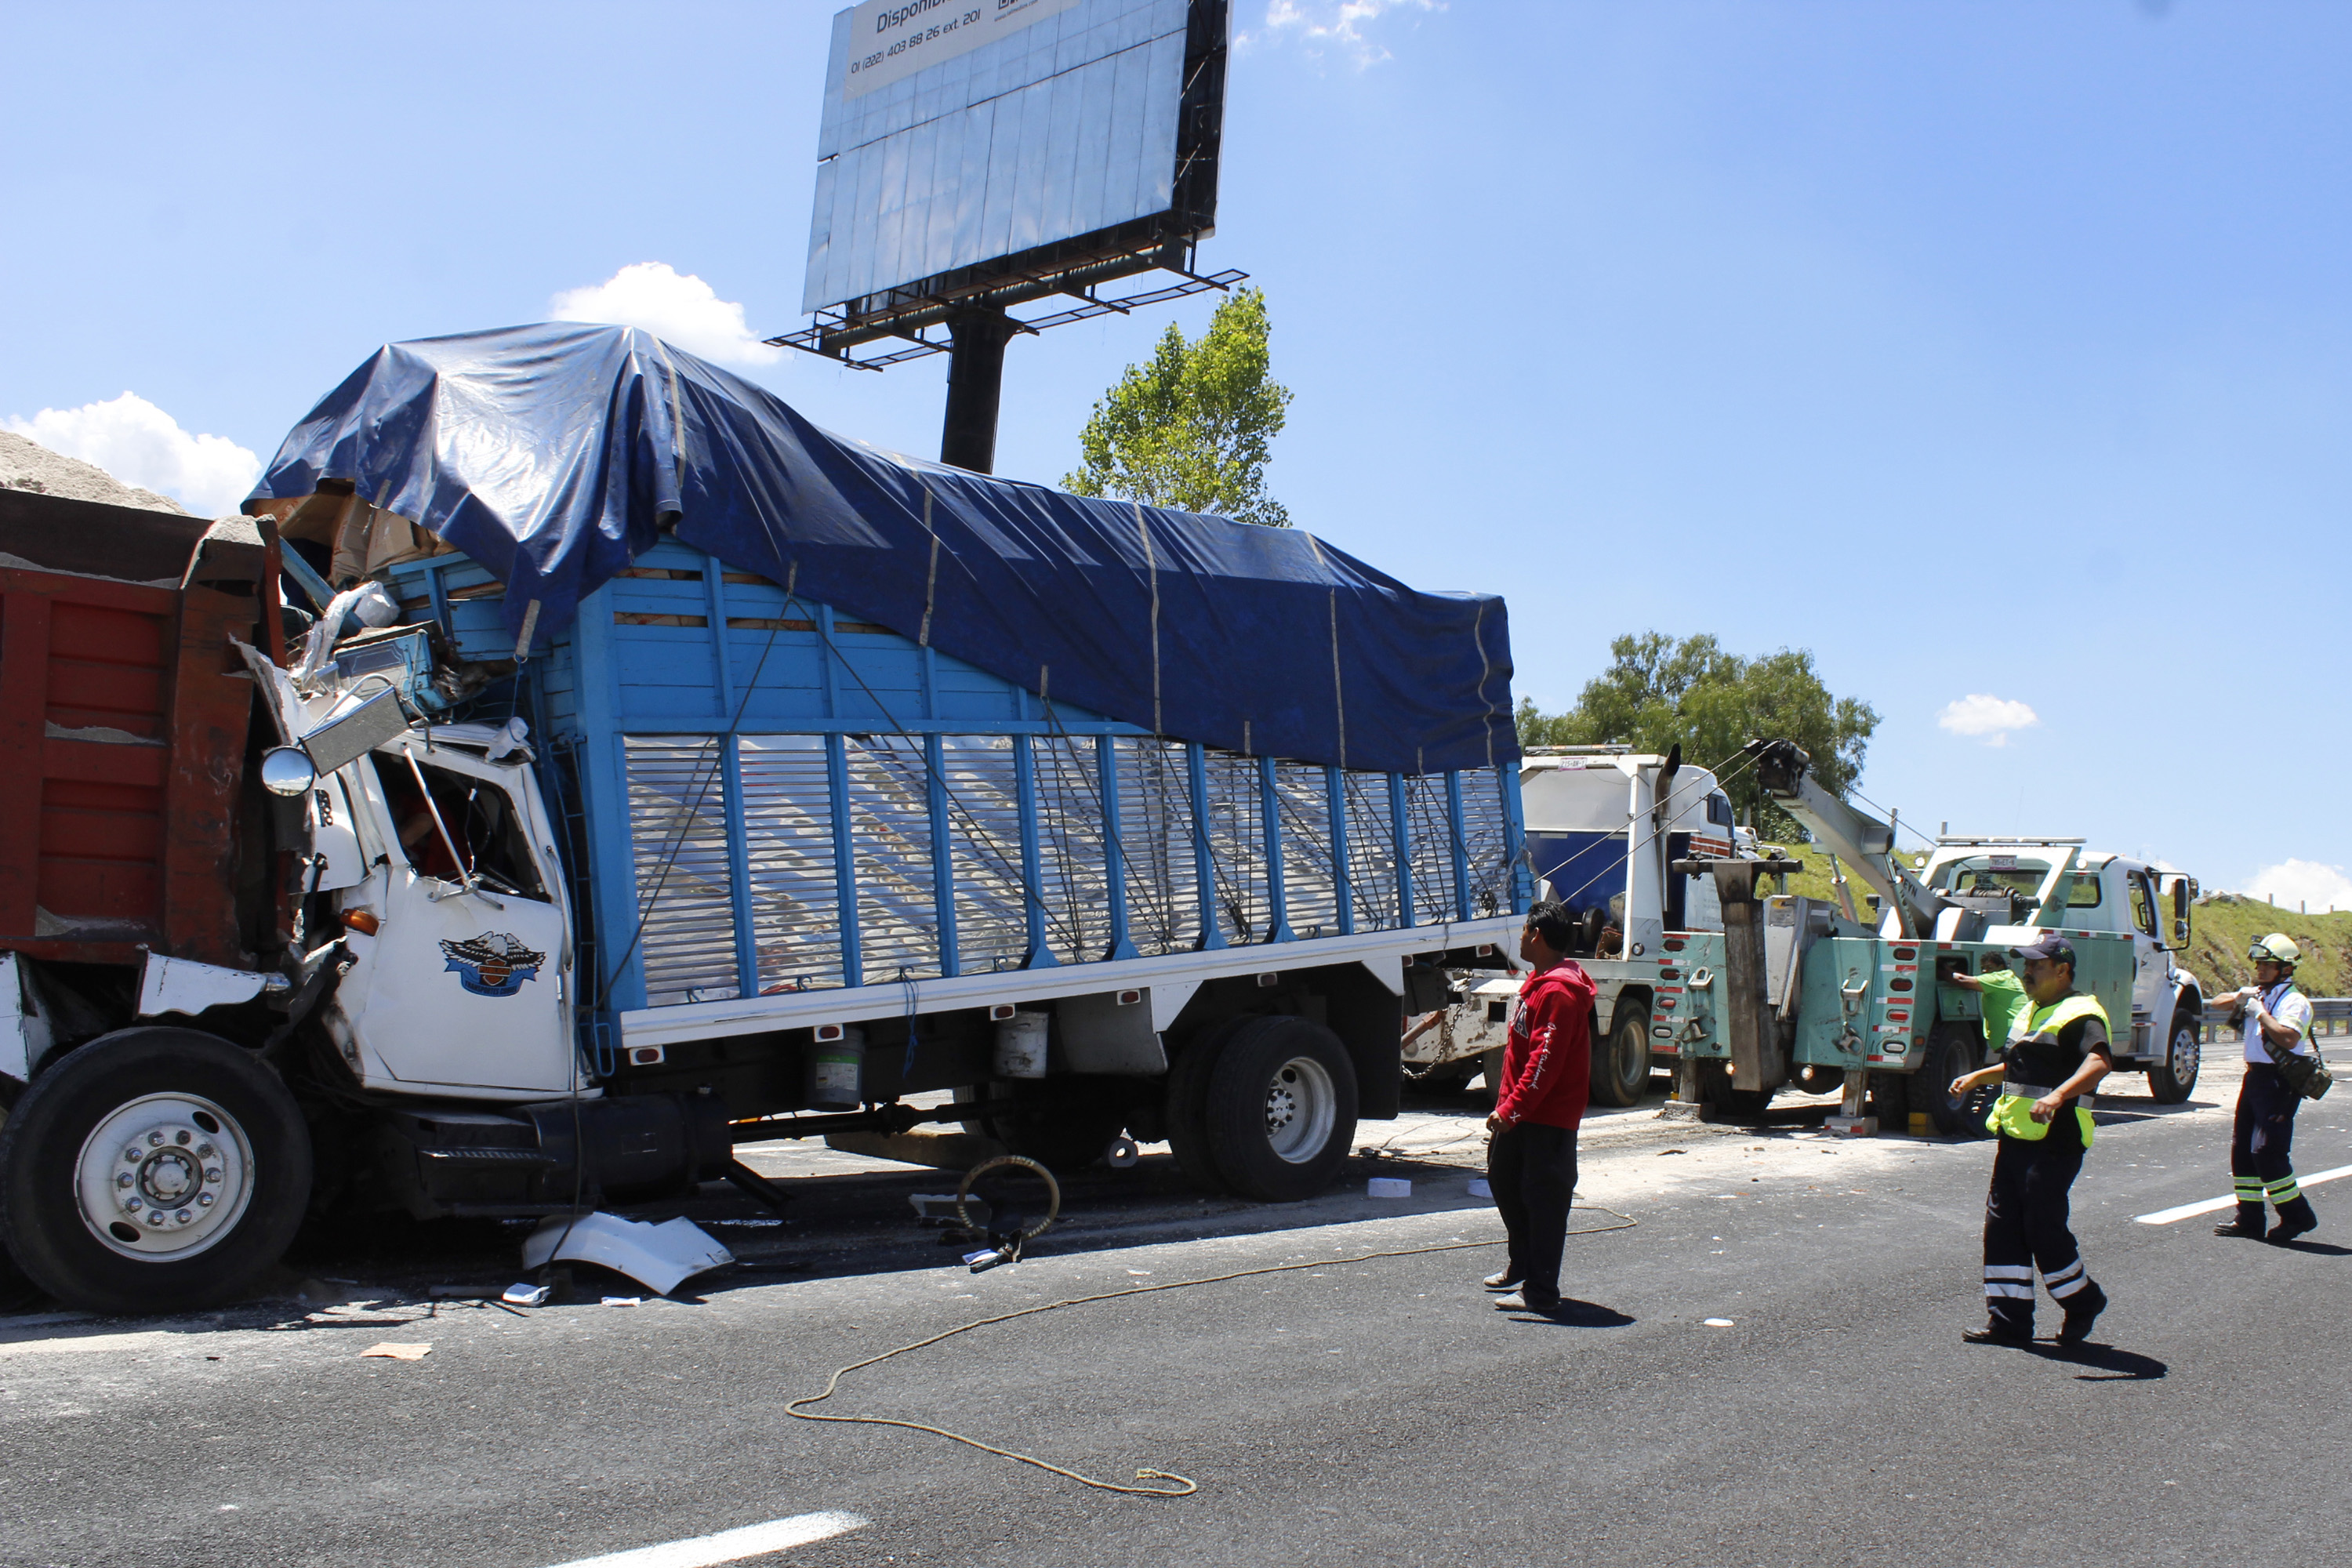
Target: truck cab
x,y
2146,903
1603,825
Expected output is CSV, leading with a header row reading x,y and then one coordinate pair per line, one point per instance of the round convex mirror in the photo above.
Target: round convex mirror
x,y
286,770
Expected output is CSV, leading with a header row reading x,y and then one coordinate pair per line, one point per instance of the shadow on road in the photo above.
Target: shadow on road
x,y
1575,1315
2114,1365
2318,1248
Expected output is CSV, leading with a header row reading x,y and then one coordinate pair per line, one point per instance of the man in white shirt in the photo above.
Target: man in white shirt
x,y
2277,1022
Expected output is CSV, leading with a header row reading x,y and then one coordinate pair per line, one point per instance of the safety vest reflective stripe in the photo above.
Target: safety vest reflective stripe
x,y
2041,1023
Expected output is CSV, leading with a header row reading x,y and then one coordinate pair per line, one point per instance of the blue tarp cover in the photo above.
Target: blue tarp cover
x,y
555,455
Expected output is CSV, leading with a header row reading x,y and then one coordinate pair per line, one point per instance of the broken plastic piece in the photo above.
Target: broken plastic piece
x,y
1388,1188
656,1256
388,1351
1480,1187
624,1300
527,1295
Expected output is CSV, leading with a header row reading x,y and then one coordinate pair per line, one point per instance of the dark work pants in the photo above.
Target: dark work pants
x,y
1533,1172
2260,1142
2025,1226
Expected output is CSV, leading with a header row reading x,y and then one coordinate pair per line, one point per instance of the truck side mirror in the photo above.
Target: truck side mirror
x,y
2181,929
288,771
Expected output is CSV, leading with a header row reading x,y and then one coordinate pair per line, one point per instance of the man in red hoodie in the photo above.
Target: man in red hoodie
x,y
1547,1068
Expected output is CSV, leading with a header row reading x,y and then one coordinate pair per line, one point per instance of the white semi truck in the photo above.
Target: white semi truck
x,y
1604,825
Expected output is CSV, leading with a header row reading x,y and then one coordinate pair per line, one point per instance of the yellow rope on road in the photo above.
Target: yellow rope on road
x,y
1185,1486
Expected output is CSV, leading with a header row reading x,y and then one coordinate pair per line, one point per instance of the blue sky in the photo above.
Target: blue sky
x,y
1989,350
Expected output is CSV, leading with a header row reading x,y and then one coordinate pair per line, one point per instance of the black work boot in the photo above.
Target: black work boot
x,y
2294,1218
2082,1309
2248,1225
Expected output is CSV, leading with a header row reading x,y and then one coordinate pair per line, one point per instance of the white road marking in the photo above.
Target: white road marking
x,y
2214,1205
730,1545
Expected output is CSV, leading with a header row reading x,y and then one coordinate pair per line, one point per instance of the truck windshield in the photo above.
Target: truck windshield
x,y
1981,877
480,817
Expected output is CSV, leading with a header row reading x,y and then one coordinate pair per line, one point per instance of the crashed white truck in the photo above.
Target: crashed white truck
x,y
664,774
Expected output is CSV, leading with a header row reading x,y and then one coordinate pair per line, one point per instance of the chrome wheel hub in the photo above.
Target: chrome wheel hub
x,y
164,1177
2187,1054
1301,1106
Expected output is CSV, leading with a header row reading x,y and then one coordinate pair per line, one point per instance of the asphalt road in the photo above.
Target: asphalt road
x,y
1376,1411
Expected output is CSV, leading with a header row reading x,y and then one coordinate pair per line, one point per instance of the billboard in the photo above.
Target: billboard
x,y
972,144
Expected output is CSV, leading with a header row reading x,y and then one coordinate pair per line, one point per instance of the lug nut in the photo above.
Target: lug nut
x,y
123,1178
212,1173
154,1216
155,1139
184,1136
133,1205
132,1154
181,1217
203,1150
204,1200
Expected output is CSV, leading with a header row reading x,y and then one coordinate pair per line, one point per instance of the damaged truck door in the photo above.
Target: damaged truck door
x,y
463,982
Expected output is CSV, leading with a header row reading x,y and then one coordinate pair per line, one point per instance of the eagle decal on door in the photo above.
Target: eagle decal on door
x,y
493,963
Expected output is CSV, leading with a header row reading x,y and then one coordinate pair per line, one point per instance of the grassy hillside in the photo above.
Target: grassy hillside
x,y
2221,930
2223,925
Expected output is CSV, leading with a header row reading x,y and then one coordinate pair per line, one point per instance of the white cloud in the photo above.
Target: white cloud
x,y
1990,718
2292,884
140,443
1319,25
676,306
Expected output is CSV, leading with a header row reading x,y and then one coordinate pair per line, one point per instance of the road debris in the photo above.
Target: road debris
x,y
391,1351
658,1256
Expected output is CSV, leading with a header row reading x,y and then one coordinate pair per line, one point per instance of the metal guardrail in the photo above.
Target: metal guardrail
x,y
2329,1015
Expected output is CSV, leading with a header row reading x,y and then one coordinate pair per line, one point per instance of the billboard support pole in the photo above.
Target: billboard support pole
x,y
975,386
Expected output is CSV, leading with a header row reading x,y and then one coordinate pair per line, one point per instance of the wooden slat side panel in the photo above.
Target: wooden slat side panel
x,y
211,713
101,819
24,695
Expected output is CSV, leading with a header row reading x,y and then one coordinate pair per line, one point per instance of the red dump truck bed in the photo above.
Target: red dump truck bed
x,y
124,727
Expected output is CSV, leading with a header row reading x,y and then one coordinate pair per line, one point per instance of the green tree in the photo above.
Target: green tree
x,y
1659,691
1191,427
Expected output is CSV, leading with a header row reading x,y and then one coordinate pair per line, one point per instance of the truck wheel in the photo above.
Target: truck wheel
x,y
153,1171
1281,1108
1188,1105
2170,1079
1620,1064
1951,1053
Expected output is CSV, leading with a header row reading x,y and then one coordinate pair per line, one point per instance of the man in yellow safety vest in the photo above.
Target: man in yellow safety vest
x,y
2059,1048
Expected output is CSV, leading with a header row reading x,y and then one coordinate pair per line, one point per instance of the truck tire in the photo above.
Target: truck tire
x,y
1490,1064
153,1171
2171,1079
1952,1050
1620,1064
1281,1113
1188,1105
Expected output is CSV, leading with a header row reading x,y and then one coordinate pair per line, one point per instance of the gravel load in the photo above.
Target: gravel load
x,y
29,466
